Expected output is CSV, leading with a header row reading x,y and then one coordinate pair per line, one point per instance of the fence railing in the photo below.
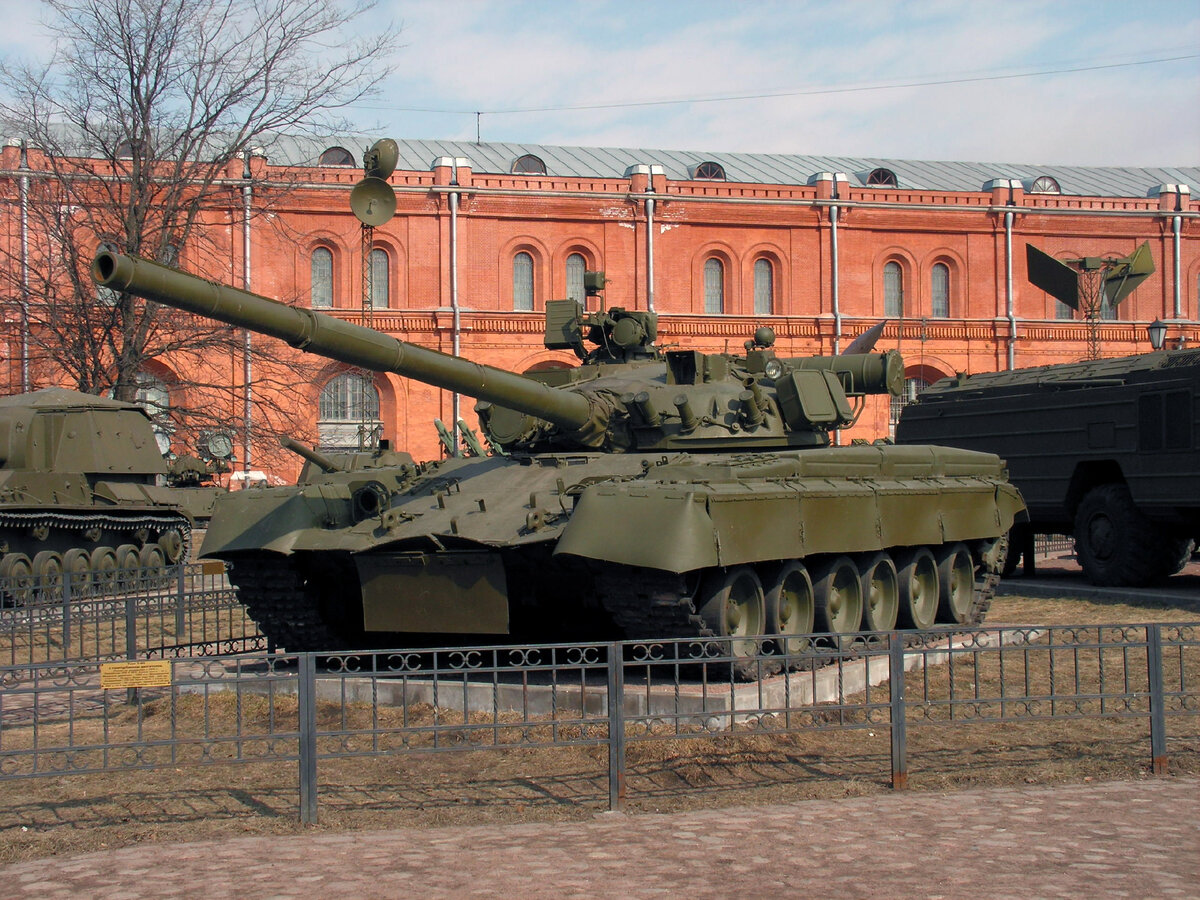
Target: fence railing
x,y
310,709
186,609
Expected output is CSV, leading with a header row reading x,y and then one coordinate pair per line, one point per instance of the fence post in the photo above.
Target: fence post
x,y
179,618
898,724
616,727
1158,723
131,639
306,698
66,613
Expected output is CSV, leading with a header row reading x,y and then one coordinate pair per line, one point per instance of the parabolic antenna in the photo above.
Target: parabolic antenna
x,y
381,158
373,201
1055,278
1126,274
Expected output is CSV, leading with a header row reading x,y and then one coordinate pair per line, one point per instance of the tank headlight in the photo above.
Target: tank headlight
x,y
773,369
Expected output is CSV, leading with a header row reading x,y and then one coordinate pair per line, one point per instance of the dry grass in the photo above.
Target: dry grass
x,y
67,814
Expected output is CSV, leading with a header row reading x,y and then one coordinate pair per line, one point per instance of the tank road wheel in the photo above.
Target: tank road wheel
x,y
881,592
733,606
171,542
104,568
791,607
839,596
48,567
16,579
152,560
956,581
129,565
1116,543
77,564
918,573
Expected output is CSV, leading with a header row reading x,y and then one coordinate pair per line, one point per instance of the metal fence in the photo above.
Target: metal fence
x,y
180,610
311,709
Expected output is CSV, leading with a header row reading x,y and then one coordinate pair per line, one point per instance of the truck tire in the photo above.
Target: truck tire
x,y
1116,544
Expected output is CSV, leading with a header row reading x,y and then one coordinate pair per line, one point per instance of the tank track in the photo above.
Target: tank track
x,y
276,596
63,522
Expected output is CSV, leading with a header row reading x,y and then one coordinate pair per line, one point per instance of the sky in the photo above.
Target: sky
x,y
1070,82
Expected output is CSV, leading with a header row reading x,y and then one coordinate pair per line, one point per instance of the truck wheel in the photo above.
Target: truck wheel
x,y
1117,545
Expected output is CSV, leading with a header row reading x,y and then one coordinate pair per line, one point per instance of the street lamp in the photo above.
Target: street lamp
x,y
1158,333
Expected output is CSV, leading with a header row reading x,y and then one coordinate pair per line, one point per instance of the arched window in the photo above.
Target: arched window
x,y
336,156
576,265
523,281
714,287
764,288
893,290
939,291
528,165
380,287
882,178
709,171
348,411
1044,184
322,278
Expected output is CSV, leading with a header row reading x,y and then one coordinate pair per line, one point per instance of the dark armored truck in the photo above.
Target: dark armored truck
x,y
1106,450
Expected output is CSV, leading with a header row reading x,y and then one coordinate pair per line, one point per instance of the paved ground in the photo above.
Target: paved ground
x,y
1060,576
1116,839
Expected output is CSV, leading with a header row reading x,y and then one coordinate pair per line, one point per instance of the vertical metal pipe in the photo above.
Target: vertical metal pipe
x,y
456,327
616,726
834,283
650,249
1008,291
899,725
247,366
1158,722
1176,225
24,189
306,697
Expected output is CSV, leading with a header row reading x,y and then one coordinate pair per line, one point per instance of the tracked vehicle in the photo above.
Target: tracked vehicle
x,y
645,494
80,491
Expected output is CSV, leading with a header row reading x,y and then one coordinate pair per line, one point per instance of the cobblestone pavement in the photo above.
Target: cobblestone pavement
x,y
1115,839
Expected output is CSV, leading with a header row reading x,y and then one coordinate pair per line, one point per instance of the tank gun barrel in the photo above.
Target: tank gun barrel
x,y
333,338
317,458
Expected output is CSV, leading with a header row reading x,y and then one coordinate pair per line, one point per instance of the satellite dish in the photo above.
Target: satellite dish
x,y
381,159
373,201
1126,274
1055,278
865,342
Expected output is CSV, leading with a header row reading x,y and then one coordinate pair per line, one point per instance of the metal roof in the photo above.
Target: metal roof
x,y
751,168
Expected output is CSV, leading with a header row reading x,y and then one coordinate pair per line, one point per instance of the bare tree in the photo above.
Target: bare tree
x,y
140,129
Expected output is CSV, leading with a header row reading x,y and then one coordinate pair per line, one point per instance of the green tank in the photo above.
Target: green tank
x,y
646,493
82,489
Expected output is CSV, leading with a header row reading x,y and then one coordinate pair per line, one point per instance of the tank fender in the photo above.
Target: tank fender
x,y
665,528
273,520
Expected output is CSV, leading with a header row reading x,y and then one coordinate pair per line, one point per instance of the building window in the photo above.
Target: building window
x,y
380,288
322,278
336,156
1044,184
709,171
893,290
714,287
348,412
764,288
528,165
882,178
523,281
1062,311
576,265
939,291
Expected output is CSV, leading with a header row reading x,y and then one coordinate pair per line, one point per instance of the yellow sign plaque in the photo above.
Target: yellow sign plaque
x,y
139,674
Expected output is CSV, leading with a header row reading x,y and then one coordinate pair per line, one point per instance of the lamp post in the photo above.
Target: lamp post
x,y
1158,333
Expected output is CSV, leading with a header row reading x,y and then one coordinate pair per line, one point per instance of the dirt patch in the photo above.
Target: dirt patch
x,y
79,813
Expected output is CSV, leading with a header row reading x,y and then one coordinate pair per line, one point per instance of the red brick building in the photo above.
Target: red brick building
x,y
818,248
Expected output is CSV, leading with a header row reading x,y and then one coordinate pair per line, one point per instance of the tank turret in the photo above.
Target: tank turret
x,y
743,521
627,396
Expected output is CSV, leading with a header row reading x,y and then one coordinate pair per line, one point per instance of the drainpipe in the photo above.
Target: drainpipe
x,y
456,326
650,246
834,280
24,268
1176,225
247,368
1008,291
